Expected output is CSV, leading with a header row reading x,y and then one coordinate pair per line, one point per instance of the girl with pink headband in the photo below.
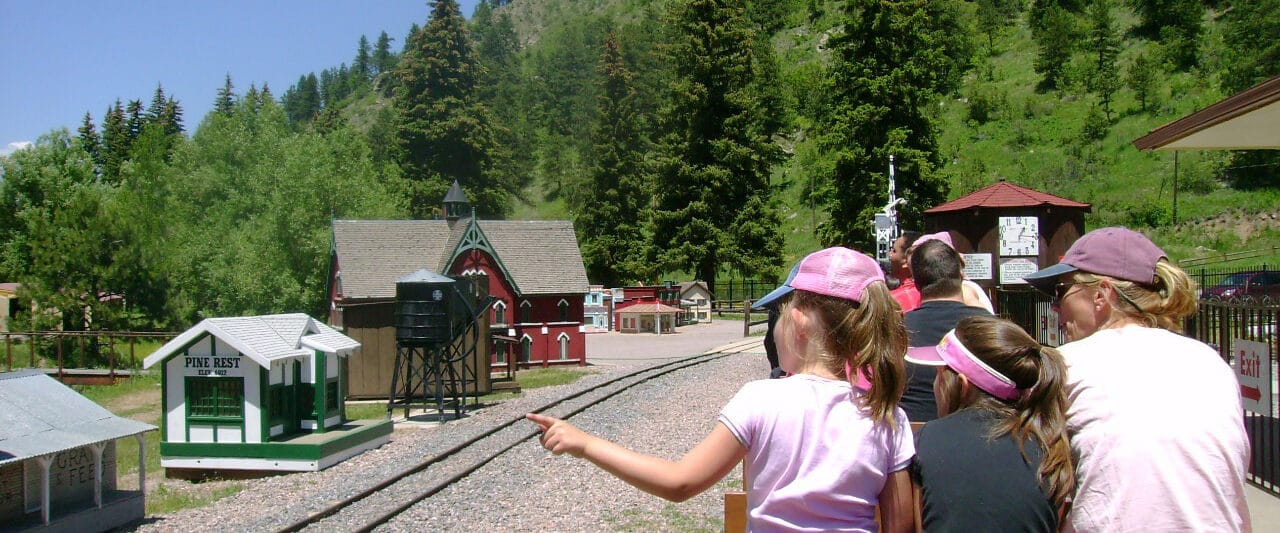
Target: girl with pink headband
x,y
999,452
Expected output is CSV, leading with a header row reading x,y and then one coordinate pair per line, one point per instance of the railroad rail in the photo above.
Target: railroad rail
x,y
384,501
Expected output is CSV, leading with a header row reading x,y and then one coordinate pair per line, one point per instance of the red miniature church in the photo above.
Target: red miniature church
x,y
533,269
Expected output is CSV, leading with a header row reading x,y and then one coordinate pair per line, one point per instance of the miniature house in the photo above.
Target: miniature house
x,y
258,393
58,459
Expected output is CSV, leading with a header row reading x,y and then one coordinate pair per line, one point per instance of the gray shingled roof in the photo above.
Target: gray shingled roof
x,y
263,338
373,254
541,256
39,416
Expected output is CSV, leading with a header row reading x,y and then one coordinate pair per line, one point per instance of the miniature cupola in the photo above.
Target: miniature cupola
x,y
455,202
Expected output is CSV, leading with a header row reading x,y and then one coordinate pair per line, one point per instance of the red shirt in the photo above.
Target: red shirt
x,y
907,295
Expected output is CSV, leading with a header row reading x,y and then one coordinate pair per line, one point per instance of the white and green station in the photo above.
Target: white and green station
x,y
258,393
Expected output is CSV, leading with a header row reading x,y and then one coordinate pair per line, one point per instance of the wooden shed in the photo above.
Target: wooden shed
x,y
1007,231
58,459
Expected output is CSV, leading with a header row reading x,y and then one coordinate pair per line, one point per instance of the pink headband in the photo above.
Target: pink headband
x,y
952,353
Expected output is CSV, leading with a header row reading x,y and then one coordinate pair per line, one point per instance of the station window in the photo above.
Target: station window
x,y
215,398
526,312
564,346
499,312
564,310
526,349
331,395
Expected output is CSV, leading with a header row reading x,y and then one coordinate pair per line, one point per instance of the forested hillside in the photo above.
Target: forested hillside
x,y
684,138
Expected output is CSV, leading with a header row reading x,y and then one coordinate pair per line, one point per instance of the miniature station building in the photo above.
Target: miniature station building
x,y
258,393
58,459
532,268
646,308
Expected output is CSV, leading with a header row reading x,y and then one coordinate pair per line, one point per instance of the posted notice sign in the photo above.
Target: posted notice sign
x,y
1253,369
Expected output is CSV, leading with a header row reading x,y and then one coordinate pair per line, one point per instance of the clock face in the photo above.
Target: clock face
x,y
1019,236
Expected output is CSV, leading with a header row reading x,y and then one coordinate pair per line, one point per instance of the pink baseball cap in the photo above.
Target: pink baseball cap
x,y
835,271
950,352
1117,252
939,236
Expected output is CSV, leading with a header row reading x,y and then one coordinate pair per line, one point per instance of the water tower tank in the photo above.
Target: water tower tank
x,y
423,301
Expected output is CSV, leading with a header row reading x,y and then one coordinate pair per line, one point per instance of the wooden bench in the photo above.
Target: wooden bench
x,y
735,501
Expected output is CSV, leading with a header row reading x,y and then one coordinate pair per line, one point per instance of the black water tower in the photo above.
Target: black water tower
x,y
423,301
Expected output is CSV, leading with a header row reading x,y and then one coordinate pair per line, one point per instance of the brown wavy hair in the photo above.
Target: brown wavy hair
x,y
869,335
1039,413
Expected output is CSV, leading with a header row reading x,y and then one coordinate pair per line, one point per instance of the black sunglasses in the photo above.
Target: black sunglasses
x,y
1060,292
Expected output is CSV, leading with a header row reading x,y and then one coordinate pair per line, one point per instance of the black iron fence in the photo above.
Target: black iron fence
x,y
743,289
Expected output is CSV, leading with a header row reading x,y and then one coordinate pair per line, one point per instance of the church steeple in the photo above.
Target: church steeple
x,y
455,202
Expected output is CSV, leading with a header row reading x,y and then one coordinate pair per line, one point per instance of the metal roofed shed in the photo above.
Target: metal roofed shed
x,y
58,458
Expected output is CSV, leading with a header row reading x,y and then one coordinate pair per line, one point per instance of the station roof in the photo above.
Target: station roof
x,y
1005,194
647,309
540,256
41,416
1248,120
263,338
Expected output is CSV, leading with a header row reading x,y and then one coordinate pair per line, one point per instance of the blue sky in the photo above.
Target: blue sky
x,y
65,57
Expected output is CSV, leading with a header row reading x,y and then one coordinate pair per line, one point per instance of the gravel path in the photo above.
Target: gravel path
x,y
528,489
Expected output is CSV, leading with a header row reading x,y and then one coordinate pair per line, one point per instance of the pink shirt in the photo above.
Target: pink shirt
x,y
815,461
1156,422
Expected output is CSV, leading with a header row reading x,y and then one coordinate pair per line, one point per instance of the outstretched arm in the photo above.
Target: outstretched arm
x,y
677,481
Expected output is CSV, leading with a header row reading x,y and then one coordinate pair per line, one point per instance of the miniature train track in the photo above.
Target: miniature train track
x,y
385,500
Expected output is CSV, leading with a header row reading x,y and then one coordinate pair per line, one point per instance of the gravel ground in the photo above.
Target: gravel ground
x,y
528,489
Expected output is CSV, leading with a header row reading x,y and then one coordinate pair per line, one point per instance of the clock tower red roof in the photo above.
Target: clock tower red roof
x,y
1005,194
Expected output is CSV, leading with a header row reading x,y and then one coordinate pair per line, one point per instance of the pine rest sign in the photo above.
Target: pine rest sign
x,y
208,365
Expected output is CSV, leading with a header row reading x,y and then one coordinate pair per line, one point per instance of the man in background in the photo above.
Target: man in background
x,y
936,270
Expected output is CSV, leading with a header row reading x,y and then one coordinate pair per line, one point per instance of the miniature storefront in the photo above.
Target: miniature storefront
x,y
58,459
258,393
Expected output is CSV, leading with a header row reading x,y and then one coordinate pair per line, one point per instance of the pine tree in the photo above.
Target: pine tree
x,y
714,203
362,65
890,66
135,120
1176,24
115,142
445,133
1055,37
610,221
1104,42
1142,80
383,58
173,116
226,99
155,111
90,140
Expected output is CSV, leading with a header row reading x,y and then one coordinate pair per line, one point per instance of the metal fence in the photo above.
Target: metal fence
x,y
743,289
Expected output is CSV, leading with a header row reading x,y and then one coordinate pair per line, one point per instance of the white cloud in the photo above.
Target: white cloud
x,y
14,147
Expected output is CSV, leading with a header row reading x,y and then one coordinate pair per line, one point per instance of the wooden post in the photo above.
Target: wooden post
x,y
746,318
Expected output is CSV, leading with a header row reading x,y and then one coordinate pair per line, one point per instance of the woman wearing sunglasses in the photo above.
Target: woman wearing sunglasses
x,y
1154,417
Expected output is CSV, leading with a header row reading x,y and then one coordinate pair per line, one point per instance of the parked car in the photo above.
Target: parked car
x,y
1252,284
